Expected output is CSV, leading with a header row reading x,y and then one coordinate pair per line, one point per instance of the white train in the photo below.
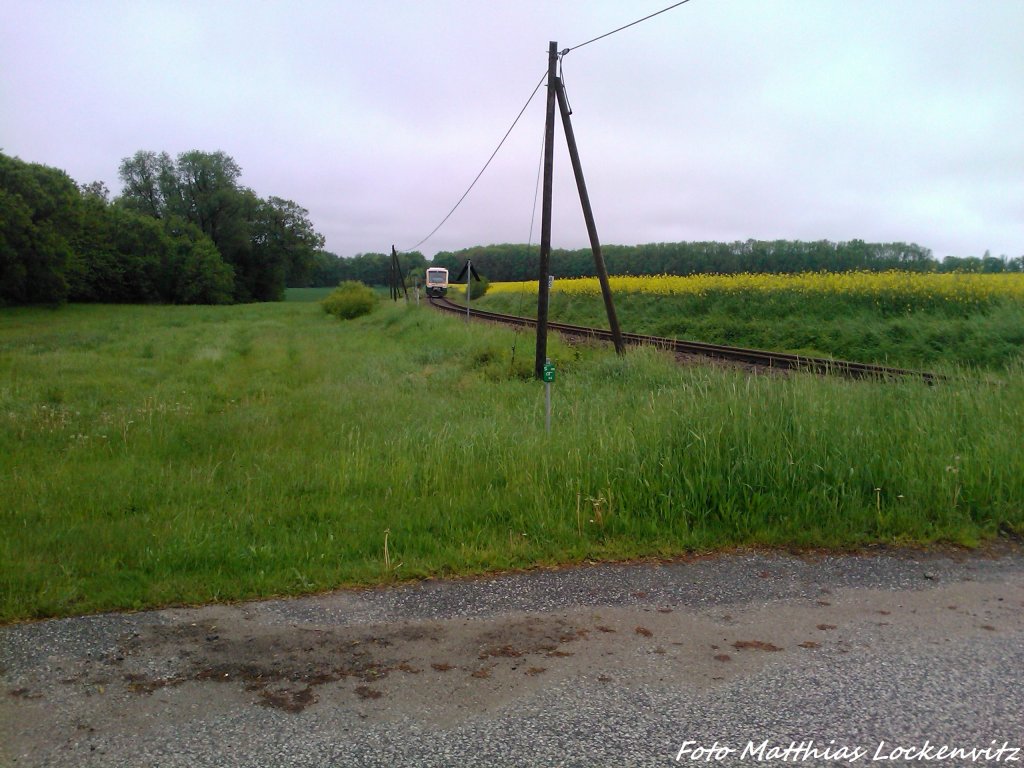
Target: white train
x,y
437,281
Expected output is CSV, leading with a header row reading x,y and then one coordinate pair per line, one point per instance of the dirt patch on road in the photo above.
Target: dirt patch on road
x,y
286,666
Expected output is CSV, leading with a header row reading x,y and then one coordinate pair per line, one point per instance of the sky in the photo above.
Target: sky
x,y
879,120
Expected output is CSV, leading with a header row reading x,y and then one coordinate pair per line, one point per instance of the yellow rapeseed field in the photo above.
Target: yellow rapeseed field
x,y
912,288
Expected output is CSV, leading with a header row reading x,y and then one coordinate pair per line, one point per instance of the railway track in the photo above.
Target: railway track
x,y
755,357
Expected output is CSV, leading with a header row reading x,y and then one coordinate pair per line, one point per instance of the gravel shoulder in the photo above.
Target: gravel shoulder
x,y
595,665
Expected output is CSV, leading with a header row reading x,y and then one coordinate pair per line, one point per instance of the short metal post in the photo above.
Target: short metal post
x,y
548,375
469,285
547,406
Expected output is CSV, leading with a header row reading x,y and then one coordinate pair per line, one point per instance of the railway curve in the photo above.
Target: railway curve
x,y
755,357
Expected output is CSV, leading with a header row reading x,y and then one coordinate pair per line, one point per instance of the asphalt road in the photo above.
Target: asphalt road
x,y
731,660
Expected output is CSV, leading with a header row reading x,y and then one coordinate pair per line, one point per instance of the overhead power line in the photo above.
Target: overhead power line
x,y
495,152
514,122
627,26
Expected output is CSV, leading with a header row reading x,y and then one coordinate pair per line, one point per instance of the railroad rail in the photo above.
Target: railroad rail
x,y
756,357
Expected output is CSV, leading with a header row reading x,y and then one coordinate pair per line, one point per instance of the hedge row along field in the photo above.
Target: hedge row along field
x,y
903,318
153,455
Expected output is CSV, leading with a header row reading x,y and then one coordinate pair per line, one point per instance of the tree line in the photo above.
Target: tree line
x,y
514,262
183,230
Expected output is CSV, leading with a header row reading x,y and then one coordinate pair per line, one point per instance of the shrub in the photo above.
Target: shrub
x,y
349,300
479,288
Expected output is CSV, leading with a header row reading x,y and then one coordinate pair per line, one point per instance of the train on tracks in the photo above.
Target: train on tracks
x,y
437,282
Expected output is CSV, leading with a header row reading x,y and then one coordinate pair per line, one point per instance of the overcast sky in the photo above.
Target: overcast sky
x,y
884,120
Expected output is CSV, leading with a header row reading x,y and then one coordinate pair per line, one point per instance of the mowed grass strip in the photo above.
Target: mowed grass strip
x,y
161,455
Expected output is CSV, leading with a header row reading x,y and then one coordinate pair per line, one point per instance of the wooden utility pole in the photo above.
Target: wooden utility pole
x,y
588,215
391,276
545,220
397,276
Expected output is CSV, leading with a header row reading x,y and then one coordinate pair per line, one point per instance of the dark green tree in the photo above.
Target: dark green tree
x,y
283,233
327,269
267,243
146,176
38,216
193,271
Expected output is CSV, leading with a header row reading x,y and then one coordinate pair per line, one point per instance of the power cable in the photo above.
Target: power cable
x,y
529,242
536,190
495,152
627,26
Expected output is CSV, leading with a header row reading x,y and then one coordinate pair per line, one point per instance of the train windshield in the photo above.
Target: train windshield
x,y
437,277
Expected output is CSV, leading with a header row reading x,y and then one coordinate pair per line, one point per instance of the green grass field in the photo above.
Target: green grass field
x,y
307,294
154,455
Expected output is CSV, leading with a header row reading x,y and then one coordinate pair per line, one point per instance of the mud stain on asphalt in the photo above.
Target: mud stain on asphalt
x,y
286,666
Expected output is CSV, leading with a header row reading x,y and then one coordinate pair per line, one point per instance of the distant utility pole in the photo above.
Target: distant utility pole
x,y
556,92
470,273
397,277
391,277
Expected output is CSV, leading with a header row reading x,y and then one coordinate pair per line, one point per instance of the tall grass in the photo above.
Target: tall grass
x,y
154,455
